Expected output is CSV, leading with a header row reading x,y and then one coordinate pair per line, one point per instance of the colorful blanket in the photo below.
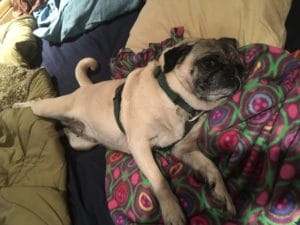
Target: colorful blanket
x,y
253,138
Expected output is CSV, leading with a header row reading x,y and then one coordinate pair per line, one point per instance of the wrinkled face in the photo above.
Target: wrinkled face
x,y
210,68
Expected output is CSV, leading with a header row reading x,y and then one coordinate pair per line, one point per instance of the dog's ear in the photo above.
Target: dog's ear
x,y
174,56
229,41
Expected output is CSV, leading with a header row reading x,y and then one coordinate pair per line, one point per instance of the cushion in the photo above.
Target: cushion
x,y
252,21
33,167
254,139
18,45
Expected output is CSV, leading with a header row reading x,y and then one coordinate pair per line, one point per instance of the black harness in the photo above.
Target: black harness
x,y
194,114
117,106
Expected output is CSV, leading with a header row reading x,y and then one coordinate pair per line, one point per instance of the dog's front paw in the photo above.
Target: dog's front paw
x,y
221,194
172,213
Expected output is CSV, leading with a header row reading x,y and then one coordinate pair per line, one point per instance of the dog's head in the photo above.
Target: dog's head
x,y
211,69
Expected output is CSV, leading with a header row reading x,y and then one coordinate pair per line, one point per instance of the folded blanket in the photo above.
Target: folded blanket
x,y
32,164
59,20
254,139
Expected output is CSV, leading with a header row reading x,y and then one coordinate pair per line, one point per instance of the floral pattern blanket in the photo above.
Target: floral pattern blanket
x,y
254,139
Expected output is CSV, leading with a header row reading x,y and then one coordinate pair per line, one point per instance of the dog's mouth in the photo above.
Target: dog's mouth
x,y
217,95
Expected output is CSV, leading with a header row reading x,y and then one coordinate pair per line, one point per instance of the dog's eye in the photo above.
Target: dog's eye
x,y
210,62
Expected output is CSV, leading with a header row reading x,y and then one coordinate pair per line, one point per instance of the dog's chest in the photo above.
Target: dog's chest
x,y
170,130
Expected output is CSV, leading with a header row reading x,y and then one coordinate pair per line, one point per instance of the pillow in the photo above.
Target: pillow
x,y
18,45
252,21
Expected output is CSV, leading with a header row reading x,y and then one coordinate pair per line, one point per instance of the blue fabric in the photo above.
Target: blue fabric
x,y
61,19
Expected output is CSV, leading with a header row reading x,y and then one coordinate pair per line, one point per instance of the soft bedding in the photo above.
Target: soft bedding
x,y
18,45
102,43
32,163
247,21
59,20
254,139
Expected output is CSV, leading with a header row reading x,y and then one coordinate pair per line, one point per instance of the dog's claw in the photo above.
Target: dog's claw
x,y
223,196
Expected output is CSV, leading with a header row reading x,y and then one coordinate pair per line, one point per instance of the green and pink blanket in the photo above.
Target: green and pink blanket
x,y
254,139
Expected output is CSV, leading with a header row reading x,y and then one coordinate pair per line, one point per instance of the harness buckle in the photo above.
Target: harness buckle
x,y
192,118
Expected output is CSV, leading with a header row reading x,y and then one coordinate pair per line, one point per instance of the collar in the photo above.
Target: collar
x,y
194,114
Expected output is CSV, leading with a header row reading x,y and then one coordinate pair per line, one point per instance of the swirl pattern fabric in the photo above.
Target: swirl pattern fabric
x,y
254,140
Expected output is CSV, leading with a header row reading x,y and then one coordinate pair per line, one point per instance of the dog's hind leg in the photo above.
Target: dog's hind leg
x,y
78,142
55,108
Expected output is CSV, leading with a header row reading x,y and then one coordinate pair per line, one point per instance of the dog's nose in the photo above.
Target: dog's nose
x,y
236,83
230,70
232,77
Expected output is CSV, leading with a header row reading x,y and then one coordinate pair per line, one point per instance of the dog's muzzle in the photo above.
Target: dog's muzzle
x,y
232,77
220,83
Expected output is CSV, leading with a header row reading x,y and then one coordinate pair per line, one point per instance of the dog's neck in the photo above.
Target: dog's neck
x,y
177,99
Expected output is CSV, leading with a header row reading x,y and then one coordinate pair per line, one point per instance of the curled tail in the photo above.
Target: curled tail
x,y
82,68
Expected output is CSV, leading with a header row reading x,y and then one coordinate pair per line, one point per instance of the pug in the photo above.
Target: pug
x,y
160,105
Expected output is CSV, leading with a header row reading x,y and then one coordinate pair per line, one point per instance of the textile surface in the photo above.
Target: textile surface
x,y
253,139
59,20
15,84
18,45
247,21
32,163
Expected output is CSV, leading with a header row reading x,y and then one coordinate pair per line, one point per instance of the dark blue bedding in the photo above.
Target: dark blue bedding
x,y
293,28
101,43
86,170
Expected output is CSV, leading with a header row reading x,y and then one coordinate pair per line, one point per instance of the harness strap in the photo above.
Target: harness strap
x,y
176,98
117,106
194,114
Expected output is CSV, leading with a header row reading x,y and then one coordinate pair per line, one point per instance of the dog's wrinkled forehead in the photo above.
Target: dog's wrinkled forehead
x,y
226,47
